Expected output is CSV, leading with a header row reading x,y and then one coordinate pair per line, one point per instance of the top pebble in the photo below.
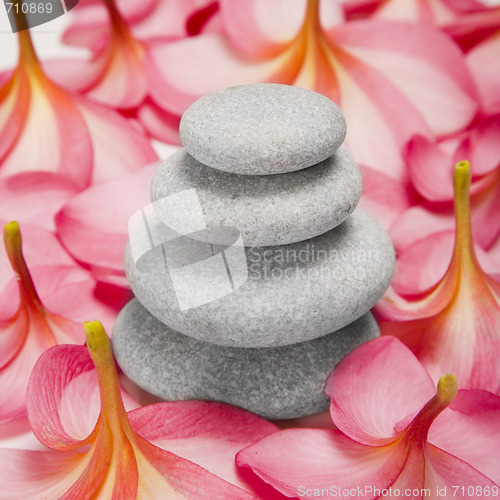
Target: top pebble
x,y
262,129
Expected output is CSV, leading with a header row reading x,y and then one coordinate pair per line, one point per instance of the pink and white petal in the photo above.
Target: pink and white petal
x,y
485,66
159,123
94,225
383,197
14,376
482,147
446,472
122,82
371,102
430,169
207,433
54,138
420,266
77,75
34,197
418,223
260,29
118,147
408,54
15,96
474,416
90,27
485,208
12,336
367,400
78,301
165,475
37,475
51,381
63,397
472,358
320,459
182,71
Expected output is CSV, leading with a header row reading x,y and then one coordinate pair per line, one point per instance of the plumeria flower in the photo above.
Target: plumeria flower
x,y
29,326
376,78
396,436
454,326
430,168
98,450
46,128
119,35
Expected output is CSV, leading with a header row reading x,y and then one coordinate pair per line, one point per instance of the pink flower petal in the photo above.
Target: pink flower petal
x,y
252,28
191,57
175,476
193,430
53,135
420,266
430,169
368,400
114,76
371,101
450,102
37,475
418,223
94,225
298,461
118,148
482,147
167,21
46,389
383,197
34,197
63,397
446,472
474,416
159,123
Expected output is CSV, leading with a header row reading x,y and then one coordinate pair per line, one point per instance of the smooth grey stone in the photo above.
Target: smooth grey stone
x,y
262,129
275,382
267,210
292,293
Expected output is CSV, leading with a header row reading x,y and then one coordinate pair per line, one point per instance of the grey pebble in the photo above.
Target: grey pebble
x,y
267,210
278,382
292,293
262,129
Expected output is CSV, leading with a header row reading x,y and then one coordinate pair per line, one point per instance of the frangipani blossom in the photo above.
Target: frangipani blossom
x,y
395,432
430,169
27,326
46,128
119,35
380,73
455,325
100,451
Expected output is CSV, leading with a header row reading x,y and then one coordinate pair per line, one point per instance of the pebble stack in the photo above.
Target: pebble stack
x,y
253,271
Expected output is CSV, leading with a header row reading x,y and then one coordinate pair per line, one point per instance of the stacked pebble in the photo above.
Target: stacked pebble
x,y
265,160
